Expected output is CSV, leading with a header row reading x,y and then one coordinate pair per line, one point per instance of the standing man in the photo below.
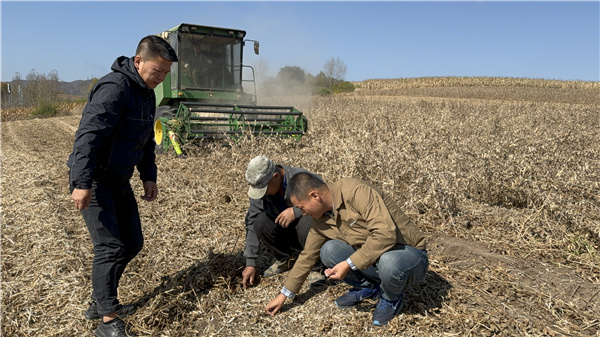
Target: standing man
x,y
271,218
116,135
362,237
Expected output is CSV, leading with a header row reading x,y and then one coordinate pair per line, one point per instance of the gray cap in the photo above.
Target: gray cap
x,y
259,173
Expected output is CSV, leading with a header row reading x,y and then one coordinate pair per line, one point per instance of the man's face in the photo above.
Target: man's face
x,y
153,72
312,205
274,184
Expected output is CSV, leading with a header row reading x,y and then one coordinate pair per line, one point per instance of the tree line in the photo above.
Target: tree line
x,y
41,91
34,91
293,79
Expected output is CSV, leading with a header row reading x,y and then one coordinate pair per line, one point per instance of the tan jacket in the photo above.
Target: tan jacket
x,y
364,217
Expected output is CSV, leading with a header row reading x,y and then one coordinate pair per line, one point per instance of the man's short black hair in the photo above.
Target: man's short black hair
x,y
302,183
152,46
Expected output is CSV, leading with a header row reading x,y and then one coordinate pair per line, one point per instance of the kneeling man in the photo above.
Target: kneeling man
x,y
362,237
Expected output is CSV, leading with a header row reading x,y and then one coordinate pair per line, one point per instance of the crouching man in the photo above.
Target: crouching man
x,y
271,219
362,237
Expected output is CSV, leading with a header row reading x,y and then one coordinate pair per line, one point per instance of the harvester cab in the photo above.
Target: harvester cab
x,y
210,93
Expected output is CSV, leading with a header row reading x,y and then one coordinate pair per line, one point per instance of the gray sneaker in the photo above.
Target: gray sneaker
x,y
278,267
114,328
316,279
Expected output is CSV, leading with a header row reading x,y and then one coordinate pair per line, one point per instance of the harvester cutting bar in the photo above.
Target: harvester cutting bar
x,y
196,118
209,120
253,109
241,106
256,132
259,112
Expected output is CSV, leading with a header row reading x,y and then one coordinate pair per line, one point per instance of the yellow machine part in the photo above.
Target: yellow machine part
x,y
158,132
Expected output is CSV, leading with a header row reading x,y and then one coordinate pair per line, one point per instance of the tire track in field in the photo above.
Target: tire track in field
x,y
47,139
39,142
10,143
51,144
34,155
68,124
42,246
27,138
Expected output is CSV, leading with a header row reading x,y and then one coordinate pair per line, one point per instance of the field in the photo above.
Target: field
x,y
503,176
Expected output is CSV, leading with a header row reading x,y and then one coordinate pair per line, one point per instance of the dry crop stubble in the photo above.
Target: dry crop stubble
x,y
506,190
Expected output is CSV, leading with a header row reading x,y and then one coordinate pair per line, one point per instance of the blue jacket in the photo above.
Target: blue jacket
x,y
116,130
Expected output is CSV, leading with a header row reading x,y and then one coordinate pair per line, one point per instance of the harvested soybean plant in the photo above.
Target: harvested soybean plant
x,y
502,174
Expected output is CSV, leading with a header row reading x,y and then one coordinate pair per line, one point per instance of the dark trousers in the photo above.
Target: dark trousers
x,y
281,241
113,221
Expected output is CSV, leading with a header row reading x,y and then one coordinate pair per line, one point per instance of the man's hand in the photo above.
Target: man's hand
x,y
248,276
275,304
150,191
339,271
81,198
285,218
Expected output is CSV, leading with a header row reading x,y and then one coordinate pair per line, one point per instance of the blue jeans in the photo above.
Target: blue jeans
x,y
395,269
113,221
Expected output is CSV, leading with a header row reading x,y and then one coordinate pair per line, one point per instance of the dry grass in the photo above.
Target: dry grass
x,y
487,88
504,181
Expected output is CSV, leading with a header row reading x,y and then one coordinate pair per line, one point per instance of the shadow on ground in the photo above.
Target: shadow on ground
x,y
427,296
179,293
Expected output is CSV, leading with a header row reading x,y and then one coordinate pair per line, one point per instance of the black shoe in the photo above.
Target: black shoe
x,y
125,310
114,328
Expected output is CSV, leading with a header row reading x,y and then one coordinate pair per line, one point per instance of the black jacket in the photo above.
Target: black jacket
x,y
116,130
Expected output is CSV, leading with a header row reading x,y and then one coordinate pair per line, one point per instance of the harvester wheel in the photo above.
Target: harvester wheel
x,y
302,123
160,133
160,129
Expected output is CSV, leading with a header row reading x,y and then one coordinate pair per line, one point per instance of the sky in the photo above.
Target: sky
x,y
79,40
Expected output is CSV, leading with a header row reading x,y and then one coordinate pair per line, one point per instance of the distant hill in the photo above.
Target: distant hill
x,y
74,88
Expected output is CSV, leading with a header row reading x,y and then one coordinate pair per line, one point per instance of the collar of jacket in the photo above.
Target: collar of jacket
x,y
336,200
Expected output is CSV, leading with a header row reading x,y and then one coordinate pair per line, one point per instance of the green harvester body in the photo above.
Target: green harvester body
x,y
210,93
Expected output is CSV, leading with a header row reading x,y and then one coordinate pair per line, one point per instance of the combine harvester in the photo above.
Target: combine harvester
x,y
204,96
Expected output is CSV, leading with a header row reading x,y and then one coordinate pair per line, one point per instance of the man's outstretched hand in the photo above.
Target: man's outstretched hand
x,y
275,305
